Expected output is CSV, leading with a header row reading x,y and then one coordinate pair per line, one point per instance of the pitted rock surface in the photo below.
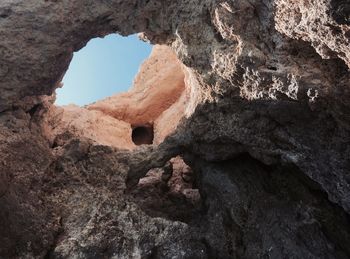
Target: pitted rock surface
x,y
264,125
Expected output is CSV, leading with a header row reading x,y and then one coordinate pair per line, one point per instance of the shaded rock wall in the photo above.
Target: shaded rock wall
x,y
266,133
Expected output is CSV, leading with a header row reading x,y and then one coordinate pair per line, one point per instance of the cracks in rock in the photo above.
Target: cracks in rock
x,y
50,252
168,192
171,195
4,192
5,13
146,158
32,111
341,11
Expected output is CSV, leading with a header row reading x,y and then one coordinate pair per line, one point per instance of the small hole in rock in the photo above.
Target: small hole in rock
x,y
272,68
34,109
142,135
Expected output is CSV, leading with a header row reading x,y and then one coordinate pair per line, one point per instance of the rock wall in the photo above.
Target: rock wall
x,y
266,134
158,98
158,85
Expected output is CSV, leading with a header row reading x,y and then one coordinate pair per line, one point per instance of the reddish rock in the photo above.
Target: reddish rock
x,y
146,114
158,85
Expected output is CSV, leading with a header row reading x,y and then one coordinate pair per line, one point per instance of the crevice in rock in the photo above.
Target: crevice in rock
x,y
34,109
50,253
168,192
341,11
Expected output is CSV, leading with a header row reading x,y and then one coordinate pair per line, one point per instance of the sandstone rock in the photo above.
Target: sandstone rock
x,y
157,86
94,125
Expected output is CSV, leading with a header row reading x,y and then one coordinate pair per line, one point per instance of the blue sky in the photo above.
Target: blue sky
x,y
105,66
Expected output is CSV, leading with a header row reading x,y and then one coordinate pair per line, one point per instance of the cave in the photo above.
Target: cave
x,y
142,135
231,142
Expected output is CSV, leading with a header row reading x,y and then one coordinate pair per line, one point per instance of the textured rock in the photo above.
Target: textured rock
x,y
266,132
157,98
326,27
80,122
168,121
157,86
270,214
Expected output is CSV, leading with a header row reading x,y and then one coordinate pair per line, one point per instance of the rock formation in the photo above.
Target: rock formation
x,y
253,143
153,107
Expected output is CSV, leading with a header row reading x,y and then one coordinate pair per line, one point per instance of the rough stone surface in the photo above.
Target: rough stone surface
x,y
158,85
158,98
78,121
266,134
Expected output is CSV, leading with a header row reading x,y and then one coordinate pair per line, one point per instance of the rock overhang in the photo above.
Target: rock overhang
x,y
244,118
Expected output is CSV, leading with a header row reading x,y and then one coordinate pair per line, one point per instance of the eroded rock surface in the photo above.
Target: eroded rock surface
x,y
153,106
68,121
158,85
265,131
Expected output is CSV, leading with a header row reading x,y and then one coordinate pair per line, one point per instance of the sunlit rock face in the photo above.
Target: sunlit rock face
x,y
158,88
80,122
158,85
156,101
261,123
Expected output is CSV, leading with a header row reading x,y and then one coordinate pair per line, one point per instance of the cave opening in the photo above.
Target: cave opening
x,y
104,67
139,113
143,135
